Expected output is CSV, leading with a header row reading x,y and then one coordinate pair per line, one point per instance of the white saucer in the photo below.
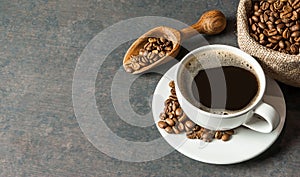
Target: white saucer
x,y
244,144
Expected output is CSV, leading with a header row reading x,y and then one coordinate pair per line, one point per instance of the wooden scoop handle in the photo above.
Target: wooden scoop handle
x,y
211,22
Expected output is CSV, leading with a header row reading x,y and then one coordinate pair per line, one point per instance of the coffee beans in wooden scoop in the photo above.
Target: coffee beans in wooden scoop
x,y
276,25
174,120
153,50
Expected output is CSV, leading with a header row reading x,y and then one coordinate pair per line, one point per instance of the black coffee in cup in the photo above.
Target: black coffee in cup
x,y
240,86
222,84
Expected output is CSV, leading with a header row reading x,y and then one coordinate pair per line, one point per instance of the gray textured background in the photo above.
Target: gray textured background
x,y
40,42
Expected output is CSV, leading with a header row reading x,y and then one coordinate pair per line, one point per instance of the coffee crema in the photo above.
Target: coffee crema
x,y
227,87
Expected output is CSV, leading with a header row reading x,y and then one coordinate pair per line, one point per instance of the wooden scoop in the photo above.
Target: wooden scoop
x,y
211,22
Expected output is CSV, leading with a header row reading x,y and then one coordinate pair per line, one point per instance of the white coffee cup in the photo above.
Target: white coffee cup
x,y
258,116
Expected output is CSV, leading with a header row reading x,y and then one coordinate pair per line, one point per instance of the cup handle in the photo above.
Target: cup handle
x,y
265,119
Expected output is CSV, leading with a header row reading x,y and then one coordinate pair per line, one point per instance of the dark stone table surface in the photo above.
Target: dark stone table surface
x,y
41,42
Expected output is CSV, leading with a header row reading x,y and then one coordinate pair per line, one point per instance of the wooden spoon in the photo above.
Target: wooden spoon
x,y
211,22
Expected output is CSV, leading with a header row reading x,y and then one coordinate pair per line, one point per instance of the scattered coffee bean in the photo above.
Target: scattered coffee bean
x,y
178,112
175,130
189,124
218,135
174,120
153,50
278,21
170,122
162,124
169,129
172,84
180,127
225,137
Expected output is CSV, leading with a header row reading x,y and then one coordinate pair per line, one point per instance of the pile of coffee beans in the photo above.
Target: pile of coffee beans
x,y
276,25
153,50
174,120
208,135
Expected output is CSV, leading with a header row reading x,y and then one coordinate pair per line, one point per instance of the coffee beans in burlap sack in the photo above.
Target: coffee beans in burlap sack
x,y
278,65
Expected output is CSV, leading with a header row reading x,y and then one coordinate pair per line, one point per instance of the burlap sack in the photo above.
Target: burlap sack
x,y
280,66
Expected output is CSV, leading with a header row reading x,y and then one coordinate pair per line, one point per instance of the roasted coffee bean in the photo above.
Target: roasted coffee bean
x,y
136,66
178,112
149,48
254,36
265,17
175,120
263,42
270,45
180,127
169,129
156,57
162,124
262,25
172,84
286,33
270,25
174,107
167,101
170,114
289,24
276,47
162,39
225,137
277,37
144,59
253,27
187,129
218,135
162,54
155,51
207,137
175,130
288,44
196,127
272,40
294,49
150,39
162,116
295,16
173,92
173,97
128,69
261,37
261,18
272,32
257,14
295,34
256,6
168,48
170,122
278,21
281,44
189,124
142,64
280,28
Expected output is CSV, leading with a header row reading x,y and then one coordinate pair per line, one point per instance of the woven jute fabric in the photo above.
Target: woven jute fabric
x,y
277,65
